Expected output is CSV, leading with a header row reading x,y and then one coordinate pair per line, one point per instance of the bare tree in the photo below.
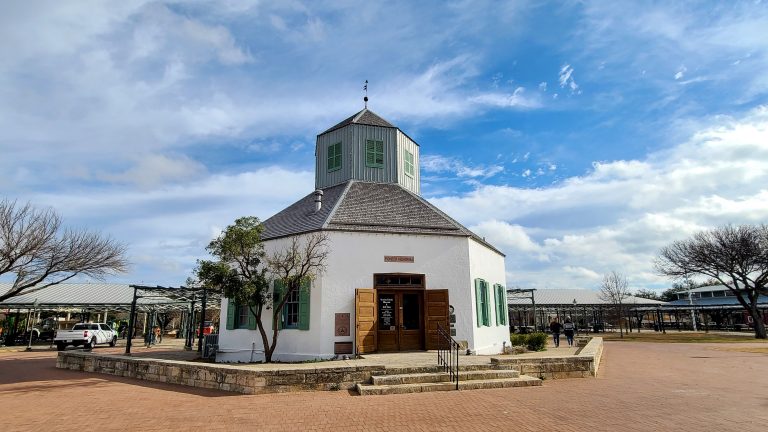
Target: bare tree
x,y
614,289
39,252
243,271
301,261
734,256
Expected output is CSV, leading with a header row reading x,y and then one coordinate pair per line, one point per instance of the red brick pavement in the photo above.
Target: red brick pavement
x,y
641,387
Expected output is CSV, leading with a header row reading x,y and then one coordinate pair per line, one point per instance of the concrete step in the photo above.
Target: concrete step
x,y
414,378
437,369
521,381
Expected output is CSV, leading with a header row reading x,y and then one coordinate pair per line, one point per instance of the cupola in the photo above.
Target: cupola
x,y
368,148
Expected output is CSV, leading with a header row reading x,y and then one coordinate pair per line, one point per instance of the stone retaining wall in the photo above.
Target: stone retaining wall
x,y
219,377
584,364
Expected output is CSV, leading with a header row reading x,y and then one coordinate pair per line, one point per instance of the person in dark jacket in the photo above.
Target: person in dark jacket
x,y
555,327
568,329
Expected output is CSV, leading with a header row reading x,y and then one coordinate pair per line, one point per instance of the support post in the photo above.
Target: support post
x,y
191,325
131,323
202,321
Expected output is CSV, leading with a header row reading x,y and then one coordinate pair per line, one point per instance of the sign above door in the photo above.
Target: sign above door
x,y
398,258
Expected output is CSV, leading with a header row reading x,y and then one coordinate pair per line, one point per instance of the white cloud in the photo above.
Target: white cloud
x,y
680,72
566,78
167,229
153,170
617,216
442,164
656,38
582,272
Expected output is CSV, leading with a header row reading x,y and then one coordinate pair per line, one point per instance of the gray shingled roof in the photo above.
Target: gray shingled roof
x,y
364,117
301,216
366,207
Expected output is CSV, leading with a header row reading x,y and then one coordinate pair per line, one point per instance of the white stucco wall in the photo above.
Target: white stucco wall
x,y
447,262
489,265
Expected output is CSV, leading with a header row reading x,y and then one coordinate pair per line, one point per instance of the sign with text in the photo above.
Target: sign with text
x,y
386,312
398,258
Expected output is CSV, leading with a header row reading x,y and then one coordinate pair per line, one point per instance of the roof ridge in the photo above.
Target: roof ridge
x,y
360,114
336,204
453,221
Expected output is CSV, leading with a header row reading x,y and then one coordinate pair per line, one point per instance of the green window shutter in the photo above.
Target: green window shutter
x,y
500,298
479,301
486,305
337,156
379,153
277,296
409,163
304,298
501,302
370,150
334,156
231,311
251,320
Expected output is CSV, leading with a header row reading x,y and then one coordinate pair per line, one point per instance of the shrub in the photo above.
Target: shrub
x,y
537,341
518,339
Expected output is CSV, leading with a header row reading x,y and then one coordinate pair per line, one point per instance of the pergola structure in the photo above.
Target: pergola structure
x,y
106,298
704,308
532,309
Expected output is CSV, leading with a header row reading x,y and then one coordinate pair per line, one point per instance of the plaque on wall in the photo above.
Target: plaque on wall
x,y
342,324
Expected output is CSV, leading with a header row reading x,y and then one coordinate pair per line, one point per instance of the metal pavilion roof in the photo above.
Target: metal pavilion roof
x,y
713,303
78,296
546,297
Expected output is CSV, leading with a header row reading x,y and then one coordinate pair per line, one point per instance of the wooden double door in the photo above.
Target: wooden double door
x,y
400,320
391,319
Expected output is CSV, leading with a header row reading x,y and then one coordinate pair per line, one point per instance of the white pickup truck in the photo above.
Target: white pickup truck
x,y
86,334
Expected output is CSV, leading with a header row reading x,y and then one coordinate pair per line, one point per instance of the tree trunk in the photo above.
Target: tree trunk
x,y
621,315
757,316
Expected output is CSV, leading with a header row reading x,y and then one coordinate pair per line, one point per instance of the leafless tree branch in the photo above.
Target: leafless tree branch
x,y
35,249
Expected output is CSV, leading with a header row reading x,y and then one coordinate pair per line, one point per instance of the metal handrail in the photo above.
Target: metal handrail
x,y
448,354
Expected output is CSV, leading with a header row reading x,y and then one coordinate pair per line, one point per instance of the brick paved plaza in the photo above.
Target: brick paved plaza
x,y
640,386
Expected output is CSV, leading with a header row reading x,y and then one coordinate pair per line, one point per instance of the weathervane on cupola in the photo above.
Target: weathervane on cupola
x,y
365,99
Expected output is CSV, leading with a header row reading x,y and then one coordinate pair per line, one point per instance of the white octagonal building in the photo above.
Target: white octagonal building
x,y
397,268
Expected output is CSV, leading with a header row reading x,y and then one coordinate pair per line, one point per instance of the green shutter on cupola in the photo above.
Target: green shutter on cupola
x,y
380,153
334,157
374,154
408,163
304,299
231,311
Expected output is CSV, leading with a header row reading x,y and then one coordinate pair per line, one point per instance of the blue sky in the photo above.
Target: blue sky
x,y
579,137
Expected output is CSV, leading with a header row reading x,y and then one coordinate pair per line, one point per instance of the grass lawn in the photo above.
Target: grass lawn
x,y
683,337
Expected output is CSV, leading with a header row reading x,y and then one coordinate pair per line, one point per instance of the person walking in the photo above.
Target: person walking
x,y
158,335
568,329
555,327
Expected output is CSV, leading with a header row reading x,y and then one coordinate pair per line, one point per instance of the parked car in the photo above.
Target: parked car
x,y
86,334
207,328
